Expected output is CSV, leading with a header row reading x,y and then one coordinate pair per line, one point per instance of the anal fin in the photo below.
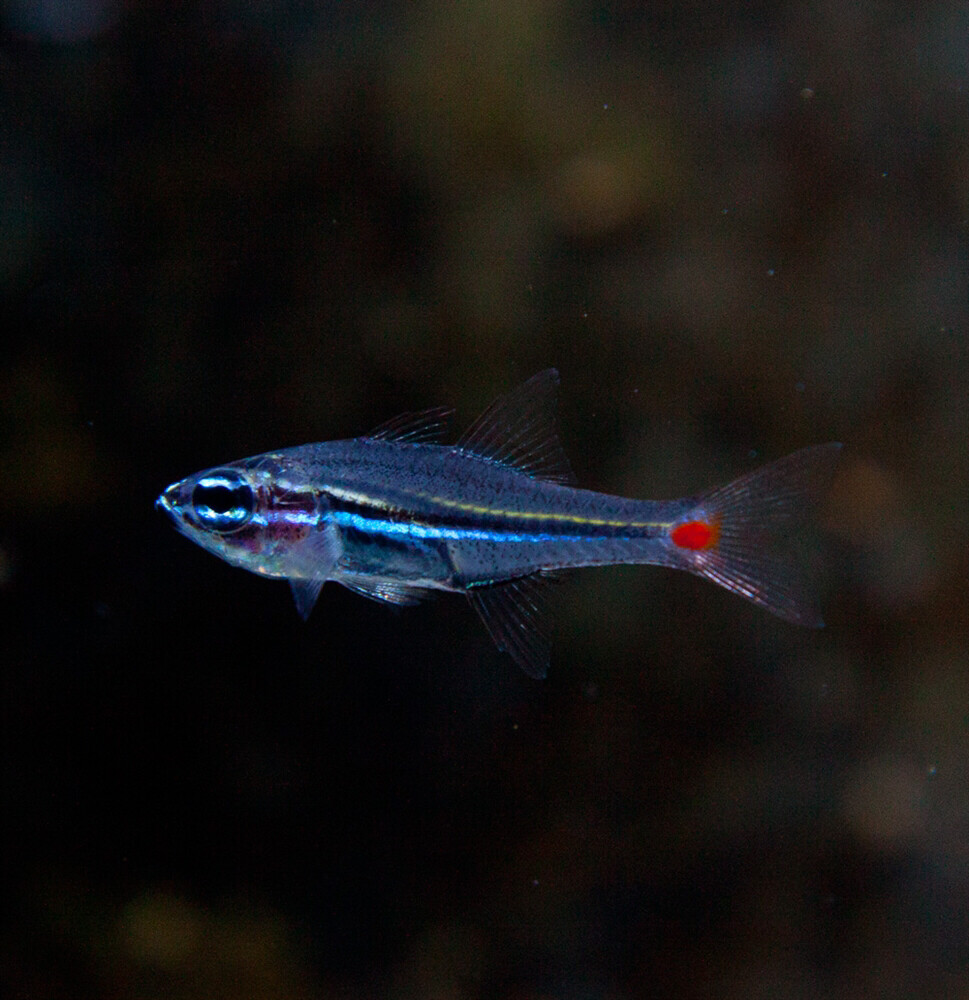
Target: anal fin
x,y
516,615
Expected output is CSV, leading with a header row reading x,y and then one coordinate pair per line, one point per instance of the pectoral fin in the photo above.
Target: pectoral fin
x,y
312,562
305,593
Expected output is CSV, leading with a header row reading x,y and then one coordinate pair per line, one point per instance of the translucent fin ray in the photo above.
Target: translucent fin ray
x,y
313,557
519,430
516,615
387,591
423,427
305,593
754,517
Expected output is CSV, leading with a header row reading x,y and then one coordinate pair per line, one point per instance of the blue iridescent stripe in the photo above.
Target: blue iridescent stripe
x,y
410,529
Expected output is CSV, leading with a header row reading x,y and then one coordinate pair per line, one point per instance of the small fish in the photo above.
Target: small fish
x,y
397,515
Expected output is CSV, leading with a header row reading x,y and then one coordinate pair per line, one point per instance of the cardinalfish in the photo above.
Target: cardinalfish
x,y
397,516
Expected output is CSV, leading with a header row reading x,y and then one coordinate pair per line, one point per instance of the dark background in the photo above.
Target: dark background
x,y
736,229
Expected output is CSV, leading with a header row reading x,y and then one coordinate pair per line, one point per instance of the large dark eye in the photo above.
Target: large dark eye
x,y
222,501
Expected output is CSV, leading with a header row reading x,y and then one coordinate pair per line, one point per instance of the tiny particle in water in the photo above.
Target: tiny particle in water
x,y
534,881
807,93
931,770
605,107
770,272
799,387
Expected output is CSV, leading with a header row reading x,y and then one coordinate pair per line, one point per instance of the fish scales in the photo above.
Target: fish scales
x,y
493,522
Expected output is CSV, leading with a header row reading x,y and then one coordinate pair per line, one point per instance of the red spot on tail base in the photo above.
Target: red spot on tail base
x,y
696,535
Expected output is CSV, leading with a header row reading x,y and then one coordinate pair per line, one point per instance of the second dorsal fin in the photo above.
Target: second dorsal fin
x,y
519,430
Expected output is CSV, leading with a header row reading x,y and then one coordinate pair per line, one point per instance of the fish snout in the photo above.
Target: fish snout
x,y
170,500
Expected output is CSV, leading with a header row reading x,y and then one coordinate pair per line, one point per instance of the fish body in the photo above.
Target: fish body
x,y
397,516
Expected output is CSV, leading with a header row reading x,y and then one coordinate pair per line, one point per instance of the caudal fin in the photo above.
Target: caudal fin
x,y
738,535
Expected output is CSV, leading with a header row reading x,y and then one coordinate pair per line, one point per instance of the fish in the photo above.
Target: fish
x,y
397,515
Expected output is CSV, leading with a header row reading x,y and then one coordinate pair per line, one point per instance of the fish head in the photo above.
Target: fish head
x,y
256,514
218,509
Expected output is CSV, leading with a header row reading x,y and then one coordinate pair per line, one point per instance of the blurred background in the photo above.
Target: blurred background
x,y
736,229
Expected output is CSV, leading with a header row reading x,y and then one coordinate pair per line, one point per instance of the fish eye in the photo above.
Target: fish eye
x,y
222,501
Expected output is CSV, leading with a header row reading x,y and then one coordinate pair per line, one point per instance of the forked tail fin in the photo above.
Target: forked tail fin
x,y
737,535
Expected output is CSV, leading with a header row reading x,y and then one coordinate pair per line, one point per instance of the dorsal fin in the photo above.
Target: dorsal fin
x,y
425,427
519,430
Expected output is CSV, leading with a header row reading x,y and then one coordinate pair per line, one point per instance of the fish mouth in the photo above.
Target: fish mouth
x,y
171,503
168,502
